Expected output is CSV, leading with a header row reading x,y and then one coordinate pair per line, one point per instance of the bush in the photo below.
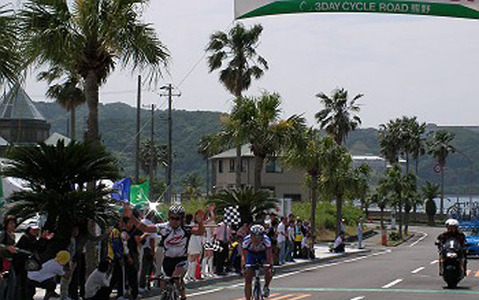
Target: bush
x,y
394,236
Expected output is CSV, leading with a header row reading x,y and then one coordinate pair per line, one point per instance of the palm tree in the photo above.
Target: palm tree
x,y
56,177
410,196
238,48
390,142
394,183
439,146
253,204
159,153
208,146
69,94
264,130
430,191
361,186
10,60
191,185
304,151
91,37
338,116
337,179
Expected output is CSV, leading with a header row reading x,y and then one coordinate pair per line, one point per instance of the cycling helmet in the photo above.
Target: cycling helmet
x,y
176,209
257,229
452,222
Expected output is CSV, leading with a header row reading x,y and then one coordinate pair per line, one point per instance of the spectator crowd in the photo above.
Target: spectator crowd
x,y
131,260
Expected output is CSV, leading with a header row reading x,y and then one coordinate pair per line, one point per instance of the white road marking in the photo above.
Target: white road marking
x,y
418,270
424,235
292,273
358,298
205,292
393,283
434,262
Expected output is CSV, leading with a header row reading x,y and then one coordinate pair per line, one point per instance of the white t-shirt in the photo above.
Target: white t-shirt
x,y
49,270
281,233
338,241
291,233
151,236
95,282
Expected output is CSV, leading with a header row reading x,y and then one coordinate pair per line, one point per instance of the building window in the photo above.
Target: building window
x,y
293,197
232,165
220,166
244,164
273,166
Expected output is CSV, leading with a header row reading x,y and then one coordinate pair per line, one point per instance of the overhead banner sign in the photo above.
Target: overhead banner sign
x,y
447,8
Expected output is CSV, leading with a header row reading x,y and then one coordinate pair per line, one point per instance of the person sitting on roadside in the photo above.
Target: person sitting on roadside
x,y
46,277
338,246
98,283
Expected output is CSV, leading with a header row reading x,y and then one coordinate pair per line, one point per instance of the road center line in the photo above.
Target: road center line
x,y
393,283
358,298
418,270
434,262
424,235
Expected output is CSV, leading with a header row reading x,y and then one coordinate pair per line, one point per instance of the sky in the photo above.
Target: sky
x,y
404,65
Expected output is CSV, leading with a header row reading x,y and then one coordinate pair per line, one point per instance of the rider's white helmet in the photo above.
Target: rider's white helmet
x,y
452,222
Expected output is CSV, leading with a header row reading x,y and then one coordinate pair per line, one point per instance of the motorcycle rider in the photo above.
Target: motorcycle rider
x,y
452,231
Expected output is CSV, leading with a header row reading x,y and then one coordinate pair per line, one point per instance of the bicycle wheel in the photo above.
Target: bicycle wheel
x,y
257,293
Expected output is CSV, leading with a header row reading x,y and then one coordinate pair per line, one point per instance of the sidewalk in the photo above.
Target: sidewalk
x,y
321,251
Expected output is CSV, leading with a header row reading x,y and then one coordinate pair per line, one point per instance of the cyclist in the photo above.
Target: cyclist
x,y
175,238
257,248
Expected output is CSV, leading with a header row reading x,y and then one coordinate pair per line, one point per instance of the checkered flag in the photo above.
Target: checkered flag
x,y
232,215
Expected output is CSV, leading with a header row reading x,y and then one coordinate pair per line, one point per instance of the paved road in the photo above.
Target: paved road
x,y
409,271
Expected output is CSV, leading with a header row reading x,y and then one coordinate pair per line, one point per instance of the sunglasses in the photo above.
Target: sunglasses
x,y
175,218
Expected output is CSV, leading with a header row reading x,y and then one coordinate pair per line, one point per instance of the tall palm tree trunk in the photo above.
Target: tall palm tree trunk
x,y
339,213
314,195
441,210
258,168
92,99
207,177
400,216
238,166
73,122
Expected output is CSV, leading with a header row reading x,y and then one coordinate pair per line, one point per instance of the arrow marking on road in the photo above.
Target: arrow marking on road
x,y
358,298
424,235
418,270
477,274
393,283
468,272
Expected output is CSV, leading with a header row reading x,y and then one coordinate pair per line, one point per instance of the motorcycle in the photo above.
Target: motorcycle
x,y
451,255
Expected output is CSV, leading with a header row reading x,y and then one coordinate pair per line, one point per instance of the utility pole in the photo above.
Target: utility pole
x,y
138,110
152,153
170,95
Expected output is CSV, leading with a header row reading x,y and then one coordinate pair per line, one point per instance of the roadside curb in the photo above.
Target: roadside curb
x,y
277,270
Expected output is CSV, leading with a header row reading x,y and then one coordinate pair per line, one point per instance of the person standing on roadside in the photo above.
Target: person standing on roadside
x,y
281,231
360,233
7,251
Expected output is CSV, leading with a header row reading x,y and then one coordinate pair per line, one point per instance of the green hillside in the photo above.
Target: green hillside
x,y
118,126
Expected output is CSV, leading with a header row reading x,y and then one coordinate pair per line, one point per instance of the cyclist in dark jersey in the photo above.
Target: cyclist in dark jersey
x,y
257,248
175,238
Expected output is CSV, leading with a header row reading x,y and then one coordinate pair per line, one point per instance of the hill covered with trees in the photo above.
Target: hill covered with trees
x,y
118,129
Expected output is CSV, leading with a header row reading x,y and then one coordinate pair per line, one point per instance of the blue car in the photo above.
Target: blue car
x,y
471,230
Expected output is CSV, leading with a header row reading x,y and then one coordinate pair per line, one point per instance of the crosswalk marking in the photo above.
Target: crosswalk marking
x,y
282,297
271,295
300,297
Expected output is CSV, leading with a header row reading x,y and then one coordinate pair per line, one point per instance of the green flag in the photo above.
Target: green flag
x,y
139,193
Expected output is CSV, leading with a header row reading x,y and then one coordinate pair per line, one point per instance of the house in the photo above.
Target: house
x,y
282,182
21,124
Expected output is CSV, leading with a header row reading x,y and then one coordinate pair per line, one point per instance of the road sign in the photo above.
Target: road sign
x,y
448,8
437,168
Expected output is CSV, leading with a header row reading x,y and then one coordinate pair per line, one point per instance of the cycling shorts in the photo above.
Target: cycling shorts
x,y
171,263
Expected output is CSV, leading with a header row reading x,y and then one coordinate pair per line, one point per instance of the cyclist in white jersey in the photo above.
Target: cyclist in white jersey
x,y
175,239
